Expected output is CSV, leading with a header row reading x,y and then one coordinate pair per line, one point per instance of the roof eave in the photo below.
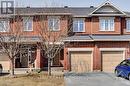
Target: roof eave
x,y
122,15
78,40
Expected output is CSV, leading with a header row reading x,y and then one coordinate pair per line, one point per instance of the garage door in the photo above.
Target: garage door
x,y
4,61
110,59
81,61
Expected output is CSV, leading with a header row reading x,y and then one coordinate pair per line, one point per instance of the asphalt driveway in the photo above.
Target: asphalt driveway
x,y
94,79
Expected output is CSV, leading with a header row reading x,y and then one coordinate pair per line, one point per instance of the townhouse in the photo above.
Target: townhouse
x,y
99,38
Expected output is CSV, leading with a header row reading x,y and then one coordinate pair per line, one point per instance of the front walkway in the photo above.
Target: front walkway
x,y
94,79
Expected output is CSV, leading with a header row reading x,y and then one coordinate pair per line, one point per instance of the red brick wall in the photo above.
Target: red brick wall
x,y
95,26
91,25
96,53
123,25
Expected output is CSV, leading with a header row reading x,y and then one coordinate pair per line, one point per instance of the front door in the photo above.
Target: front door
x,y
26,57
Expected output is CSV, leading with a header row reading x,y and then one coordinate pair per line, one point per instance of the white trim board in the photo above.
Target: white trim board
x,y
112,49
110,4
80,49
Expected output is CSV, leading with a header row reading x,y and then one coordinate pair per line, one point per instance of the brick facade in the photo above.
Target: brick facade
x,y
96,53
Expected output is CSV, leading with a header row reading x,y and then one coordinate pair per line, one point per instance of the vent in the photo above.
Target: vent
x,y
107,3
28,7
65,6
91,6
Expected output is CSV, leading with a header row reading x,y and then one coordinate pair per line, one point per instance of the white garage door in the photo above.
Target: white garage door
x,y
110,59
81,61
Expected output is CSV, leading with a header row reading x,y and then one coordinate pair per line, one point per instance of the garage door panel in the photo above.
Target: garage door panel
x,y
110,59
4,61
5,65
81,61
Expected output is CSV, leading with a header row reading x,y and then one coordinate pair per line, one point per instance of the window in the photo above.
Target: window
x,y
128,25
78,25
4,25
125,62
28,23
53,23
107,24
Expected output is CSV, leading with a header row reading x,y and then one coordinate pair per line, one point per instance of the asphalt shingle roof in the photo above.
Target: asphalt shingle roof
x,y
78,38
99,38
81,11
74,11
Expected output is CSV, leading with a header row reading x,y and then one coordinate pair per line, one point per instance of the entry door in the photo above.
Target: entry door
x,y
24,58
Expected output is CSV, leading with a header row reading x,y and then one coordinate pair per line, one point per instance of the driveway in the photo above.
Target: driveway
x,y
94,79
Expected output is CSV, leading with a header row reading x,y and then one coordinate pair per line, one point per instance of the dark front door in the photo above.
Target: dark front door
x,y
25,58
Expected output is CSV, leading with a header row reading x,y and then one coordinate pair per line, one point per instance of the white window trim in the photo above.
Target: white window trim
x,y
83,24
58,17
26,26
106,18
7,20
127,29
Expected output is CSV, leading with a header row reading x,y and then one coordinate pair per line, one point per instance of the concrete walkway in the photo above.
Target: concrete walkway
x,y
94,79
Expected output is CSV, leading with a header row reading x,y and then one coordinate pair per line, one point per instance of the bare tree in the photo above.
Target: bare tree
x,y
10,42
52,36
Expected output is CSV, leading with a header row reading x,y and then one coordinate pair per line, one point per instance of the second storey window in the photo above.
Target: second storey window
x,y
4,25
128,25
53,23
107,24
28,23
78,25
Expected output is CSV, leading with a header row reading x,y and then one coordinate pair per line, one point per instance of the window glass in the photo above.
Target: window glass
x,y
124,62
4,25
128,25
53,23
106,24
78,25
28,23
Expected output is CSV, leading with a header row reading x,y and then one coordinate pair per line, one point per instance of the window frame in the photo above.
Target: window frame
x,y
110,22
127,24
53,26
25,28
6,21
76,19
127,63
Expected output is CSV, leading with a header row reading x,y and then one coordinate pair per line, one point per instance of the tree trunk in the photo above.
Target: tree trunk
x,y
12,67
49,66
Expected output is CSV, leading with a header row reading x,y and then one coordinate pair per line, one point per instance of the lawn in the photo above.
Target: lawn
x,y
32,80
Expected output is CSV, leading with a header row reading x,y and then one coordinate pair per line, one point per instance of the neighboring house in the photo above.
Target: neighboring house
x,y
100,37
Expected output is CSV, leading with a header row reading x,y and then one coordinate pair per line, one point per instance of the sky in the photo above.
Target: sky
x,y
121,4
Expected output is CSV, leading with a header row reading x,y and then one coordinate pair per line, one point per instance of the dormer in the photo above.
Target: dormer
x,y
107,9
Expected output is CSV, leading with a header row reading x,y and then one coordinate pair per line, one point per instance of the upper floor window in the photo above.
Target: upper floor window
x,y
78,25
106,23
4,25
28,23
53,23
128,25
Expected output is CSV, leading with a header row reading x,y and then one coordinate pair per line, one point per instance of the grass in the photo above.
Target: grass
x,y
32,80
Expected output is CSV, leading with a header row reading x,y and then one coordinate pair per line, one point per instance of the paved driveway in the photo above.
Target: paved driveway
x,y
94,79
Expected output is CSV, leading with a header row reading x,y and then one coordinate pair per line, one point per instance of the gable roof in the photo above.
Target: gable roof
x,y
73,11
110,10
